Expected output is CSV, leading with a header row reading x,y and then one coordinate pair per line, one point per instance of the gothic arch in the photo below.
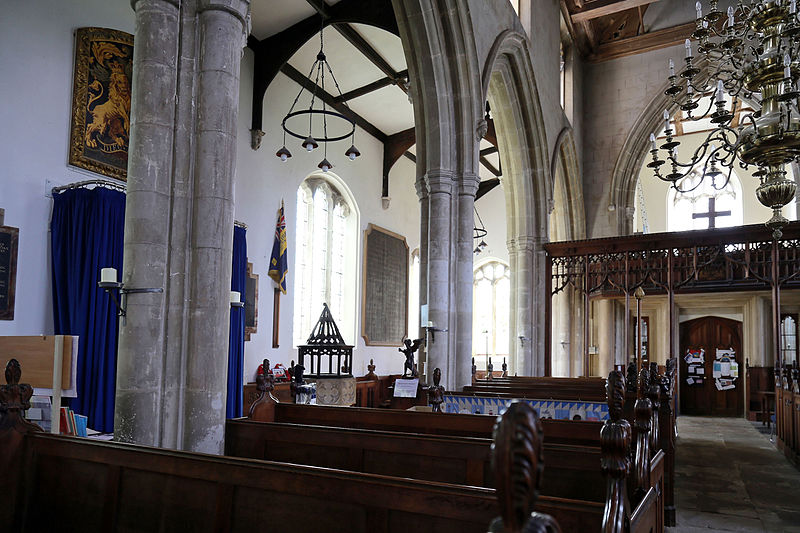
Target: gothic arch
x,y
510,86
567,199
635,150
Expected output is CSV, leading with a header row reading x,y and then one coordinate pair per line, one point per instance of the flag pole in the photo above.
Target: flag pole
x,y
276,308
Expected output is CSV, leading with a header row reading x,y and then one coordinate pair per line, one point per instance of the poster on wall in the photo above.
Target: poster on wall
x,y
695,359
101,101
9,242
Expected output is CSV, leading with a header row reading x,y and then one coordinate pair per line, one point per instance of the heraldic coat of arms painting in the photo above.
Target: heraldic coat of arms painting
x,y
101,101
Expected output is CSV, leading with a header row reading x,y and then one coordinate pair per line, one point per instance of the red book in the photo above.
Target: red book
x,y
63,427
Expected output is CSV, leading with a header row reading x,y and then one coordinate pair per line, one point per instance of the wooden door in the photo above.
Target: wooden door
x,y
711,333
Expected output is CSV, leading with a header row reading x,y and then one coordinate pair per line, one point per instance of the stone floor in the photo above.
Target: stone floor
x,y
729,477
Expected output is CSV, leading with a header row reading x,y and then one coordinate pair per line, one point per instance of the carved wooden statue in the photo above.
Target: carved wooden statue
x,y
474,370
371,370
615,441
436,392
489,369
643,411
263,407
631,378
409,368
517,459
505,368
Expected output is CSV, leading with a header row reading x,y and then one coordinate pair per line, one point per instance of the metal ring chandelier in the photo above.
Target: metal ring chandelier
x,y
318,70
752,54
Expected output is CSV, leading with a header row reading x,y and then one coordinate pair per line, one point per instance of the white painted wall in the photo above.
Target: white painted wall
x,y
37,55
262,180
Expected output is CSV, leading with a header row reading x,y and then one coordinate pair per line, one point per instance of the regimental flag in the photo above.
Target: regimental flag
x,y
277,263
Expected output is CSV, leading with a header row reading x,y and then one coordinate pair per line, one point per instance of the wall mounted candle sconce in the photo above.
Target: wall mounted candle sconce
x,y
236,299
108,282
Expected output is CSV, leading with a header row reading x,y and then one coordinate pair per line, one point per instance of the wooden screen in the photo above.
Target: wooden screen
x,y
384,304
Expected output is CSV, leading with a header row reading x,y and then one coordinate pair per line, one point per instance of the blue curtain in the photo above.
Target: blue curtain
x,y
236,341
86,234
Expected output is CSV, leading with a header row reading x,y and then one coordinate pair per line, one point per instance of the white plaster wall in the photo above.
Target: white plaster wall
x,y
36,60
492,210
262,180
655,192
615,94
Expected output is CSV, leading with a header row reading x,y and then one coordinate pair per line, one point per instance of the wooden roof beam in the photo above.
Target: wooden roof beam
x,y
602,8
646,42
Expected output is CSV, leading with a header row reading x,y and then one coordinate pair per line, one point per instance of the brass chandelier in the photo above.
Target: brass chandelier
x,y
753,54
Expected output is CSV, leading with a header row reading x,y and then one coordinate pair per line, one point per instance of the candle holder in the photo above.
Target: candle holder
x,y
109,284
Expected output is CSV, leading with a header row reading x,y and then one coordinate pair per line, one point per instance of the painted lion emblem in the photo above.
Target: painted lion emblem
x,y
109,104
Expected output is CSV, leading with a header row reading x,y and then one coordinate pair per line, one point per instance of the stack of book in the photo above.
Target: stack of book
x,y
72,424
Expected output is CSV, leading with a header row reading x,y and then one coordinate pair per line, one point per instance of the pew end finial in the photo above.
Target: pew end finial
x,y
263,409
615,442
517,459
436,391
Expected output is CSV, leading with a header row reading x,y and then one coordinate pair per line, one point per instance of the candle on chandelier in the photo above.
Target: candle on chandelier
x,y
731,21
720,91
671,68
699,7
666,119
688,46
787,66
653,142
689,89
793,7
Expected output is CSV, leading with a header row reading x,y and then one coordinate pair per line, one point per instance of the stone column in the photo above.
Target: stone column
x,y
462,355
440,190
422,194
524,302
171,379
512,308
606,337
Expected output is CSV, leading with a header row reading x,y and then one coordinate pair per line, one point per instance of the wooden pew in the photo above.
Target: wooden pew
x,y
61,483
787,411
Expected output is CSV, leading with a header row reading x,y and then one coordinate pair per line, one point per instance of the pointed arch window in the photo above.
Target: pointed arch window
x,y
326,242
491,296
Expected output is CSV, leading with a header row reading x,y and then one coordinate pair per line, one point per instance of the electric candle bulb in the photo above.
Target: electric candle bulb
x,y
688,46
352,156
653,141
671,68
720,91
699,7
793,7
309,147
283,157
325,168
705,24
730,16
787,66
689,89
666,119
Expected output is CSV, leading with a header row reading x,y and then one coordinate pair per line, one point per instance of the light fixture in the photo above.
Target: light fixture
x,y
108,282
755,58
479,232
319,70
236,299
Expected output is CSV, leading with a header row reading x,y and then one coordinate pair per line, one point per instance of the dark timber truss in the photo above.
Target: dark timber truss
x,y
273,53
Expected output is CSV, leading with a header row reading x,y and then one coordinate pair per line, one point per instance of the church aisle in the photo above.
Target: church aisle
x,y
729,477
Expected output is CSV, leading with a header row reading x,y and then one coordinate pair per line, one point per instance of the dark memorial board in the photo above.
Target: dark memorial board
x,y
384,305
9,238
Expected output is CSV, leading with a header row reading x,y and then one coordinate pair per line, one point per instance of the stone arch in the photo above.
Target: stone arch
x,y
567,200
444,73
622,195
510,86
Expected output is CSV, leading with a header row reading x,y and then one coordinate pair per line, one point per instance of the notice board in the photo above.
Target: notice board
x,y
384,304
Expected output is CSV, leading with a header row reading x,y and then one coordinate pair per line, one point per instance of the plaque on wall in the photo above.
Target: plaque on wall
x,y
250,303
9,239
384,298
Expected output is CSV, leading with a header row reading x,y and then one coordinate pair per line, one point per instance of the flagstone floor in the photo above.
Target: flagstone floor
x,y
730,477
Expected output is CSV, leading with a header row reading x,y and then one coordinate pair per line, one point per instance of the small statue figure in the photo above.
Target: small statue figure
x,y
265,381
371,370
505,368
436,392
474,370
489,369
411,347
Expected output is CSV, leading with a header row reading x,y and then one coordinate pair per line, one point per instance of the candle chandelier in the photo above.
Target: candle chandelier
x,y
752,54
320,113
478,233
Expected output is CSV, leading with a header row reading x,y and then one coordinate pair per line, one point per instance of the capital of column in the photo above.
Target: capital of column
x,y
468,184
237,8
440,182
523,244
422,188
174,3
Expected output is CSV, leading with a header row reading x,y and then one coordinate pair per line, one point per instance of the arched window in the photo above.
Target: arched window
x,y
704,206
325,264
491,298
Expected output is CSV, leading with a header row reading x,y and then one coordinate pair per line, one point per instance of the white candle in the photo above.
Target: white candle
x,y
671,68
787,66
793,7
235,297
108,275
689,89
666,119
720,91
699,7
653,141
688,46
731,22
